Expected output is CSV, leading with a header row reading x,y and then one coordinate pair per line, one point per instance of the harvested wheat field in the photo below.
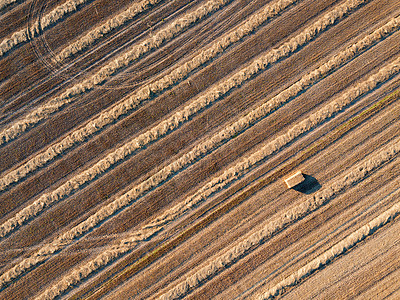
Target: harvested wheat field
x,y
205,149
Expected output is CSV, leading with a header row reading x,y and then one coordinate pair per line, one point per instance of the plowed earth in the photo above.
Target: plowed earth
x,y
158,265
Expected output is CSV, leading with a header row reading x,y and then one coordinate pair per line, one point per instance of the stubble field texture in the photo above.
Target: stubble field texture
x,y
144,146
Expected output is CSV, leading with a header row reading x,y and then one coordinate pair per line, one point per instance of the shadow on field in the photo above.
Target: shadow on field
x,y
308,186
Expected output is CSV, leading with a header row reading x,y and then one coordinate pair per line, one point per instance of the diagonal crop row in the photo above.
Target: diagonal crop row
x,y
282,220
177,211
100,31
383,194
217,183
135,267
141,189
104,258
101,167
243,166
164,34
44,23
173,77
335,251
182,116
5,3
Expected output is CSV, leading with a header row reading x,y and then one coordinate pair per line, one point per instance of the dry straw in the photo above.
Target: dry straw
x,y
282,220
182,116
174,213
94,126
47,251
213,186
5,3
97,33
127,198
335,251
173,122
166,33
103,165
48,20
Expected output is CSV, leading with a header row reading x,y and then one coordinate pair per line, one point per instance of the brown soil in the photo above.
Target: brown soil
x,y
210,229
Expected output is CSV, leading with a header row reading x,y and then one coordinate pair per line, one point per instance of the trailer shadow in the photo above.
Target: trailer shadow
x,y
308,186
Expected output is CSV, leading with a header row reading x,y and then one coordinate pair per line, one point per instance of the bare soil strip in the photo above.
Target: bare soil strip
x,y
216,184
45,22
81,135
240,121
172,123
244,195
337,250
381,288
167,199
168,32
42,79
5,3
102,30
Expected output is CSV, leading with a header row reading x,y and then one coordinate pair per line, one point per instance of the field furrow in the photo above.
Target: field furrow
x,y
340,248
35,29
144,147
164,127
110,69
5,3
125,242
231,220
176,75
117,204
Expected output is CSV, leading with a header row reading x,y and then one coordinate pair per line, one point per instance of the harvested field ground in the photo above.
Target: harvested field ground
x,y
144,147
